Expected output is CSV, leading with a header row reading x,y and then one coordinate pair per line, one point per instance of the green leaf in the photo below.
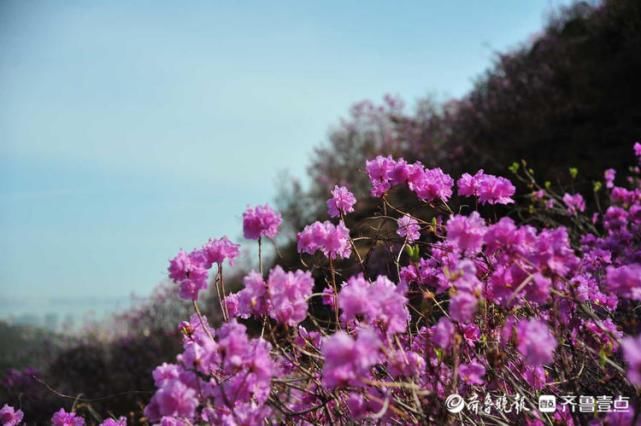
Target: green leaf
x,y
413,252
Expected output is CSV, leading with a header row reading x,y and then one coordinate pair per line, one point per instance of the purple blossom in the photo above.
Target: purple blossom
x,y
551,250
360,406
342,201
332,240
379,303
609,175
189,272
216,251
535,342
284,296
165,372
535,377
430,184
637,150
632,355
9,416
575,203
466,233
464,276
252,300
472,373
496,190
379,171
625,281
329,297
468,185
442,333
288,294
347,361
409,228
489,189
244,366
261,221
463,307
173,398
63,418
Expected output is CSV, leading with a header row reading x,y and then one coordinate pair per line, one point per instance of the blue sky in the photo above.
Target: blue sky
x,y
130,129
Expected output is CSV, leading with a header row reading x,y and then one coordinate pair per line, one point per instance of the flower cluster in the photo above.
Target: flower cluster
x,y
332,240
64,418
221,377
489,189
574,203
428,184
475,305
349,360
190,270
283,297
341,203
380,304
261,221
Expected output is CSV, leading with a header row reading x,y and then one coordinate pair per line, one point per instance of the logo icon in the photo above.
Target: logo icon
x,y
455,403
547,403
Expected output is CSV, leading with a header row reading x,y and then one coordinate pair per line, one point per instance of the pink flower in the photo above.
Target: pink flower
x,y
9,416
466,233
430,184
472,373
489,189
342,201
284,296
261,221
165,372
347,361
637,150
632,355
288,294
62,418
468,185
496,190
174,398
463,307
329,297
379,171
609,175
216,251
332,240
442,333
252,300
535,342
625,281
189,272
408,227
535,377
380,304
575,203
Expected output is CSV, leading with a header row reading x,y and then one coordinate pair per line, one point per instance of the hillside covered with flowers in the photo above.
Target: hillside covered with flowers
x,y
468,262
